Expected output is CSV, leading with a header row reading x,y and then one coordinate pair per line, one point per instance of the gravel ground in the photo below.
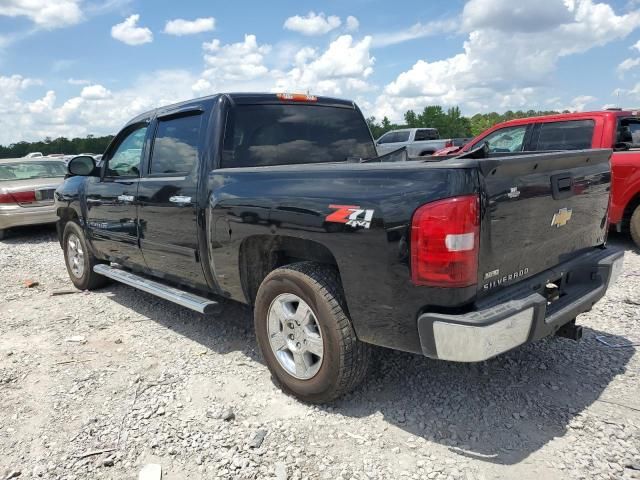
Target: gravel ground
x,y
97,385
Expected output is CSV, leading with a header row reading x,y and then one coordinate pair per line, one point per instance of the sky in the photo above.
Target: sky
x,y
77,67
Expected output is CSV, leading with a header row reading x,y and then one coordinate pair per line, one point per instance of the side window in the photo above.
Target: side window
x,y
426,134
506,140
175,147
571,135
385,138
629,131
125,161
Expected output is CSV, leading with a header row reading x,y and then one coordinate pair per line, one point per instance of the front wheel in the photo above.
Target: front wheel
x,y
634,226
79,259
305,335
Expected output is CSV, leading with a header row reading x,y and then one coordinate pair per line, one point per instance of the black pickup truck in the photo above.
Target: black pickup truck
x,y
280,201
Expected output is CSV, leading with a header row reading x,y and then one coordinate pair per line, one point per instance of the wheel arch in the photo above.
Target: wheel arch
x,y
65,215
261,254
629,209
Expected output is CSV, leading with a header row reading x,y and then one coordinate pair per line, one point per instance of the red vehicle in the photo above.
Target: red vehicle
x,y
614,128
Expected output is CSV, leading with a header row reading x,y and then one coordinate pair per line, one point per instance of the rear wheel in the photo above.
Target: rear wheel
x,y
305,335
79,259
635,226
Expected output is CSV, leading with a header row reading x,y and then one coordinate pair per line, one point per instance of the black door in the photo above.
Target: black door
x,y
167,200
111,199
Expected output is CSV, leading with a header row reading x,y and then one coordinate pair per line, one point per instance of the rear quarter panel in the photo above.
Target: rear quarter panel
x,y
625,169
373,262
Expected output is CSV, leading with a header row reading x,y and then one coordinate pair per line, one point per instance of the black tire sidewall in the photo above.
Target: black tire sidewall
x,y
291,281
82,283
634,226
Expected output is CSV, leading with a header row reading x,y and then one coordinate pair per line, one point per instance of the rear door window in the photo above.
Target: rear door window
x,y
570,135
261,135
175,147
629,132
426,134
395,137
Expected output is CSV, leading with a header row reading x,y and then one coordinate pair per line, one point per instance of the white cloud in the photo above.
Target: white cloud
x,y
313,24
501,68
352,24
627,64
344,66
95,92
418,30
636,45
181,27
579,103
130,33
45,14
77,81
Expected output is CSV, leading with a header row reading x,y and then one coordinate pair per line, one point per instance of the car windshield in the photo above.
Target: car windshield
x,y
30,169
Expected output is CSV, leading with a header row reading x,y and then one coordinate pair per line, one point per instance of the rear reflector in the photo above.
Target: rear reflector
x,y
445,239
18,197
297,97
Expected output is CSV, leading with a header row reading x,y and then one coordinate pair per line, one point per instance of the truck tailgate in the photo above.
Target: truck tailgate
x,y
540,210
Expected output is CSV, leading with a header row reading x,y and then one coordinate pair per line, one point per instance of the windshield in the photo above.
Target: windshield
x,y
30,169
260,135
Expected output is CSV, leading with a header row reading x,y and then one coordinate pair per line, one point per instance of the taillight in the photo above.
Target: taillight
x,y
445,239
18,197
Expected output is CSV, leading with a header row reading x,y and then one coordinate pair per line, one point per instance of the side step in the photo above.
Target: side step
x,y
186,299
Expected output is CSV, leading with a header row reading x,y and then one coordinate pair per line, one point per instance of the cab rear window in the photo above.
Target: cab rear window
x,y
263,135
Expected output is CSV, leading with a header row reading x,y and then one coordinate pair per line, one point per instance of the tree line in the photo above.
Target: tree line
x,y
450,122
73,146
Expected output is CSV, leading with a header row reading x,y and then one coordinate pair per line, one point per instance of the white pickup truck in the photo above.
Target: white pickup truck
x,y
419,141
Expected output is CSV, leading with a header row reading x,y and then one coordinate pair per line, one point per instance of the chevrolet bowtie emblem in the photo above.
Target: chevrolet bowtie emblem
x,y
561,217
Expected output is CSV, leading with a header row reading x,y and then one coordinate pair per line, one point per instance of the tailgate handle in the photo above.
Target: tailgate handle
x,y
562,185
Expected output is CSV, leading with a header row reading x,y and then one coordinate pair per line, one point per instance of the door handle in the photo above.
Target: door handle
x,y
562,186
180,199
126,198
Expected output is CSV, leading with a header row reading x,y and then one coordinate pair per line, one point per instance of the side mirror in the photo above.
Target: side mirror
x,y
82,166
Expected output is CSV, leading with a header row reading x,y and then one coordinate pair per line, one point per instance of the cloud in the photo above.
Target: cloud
x,y
77,81
129,32
344,66
313,24
579,103
418,30
95,92
499,67
45,14
627,64
180,27
352,24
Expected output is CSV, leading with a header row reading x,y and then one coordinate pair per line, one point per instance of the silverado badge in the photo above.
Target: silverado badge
x,y
561,217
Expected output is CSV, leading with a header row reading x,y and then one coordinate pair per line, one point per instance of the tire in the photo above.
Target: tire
x,y
344,359
634,226
79,260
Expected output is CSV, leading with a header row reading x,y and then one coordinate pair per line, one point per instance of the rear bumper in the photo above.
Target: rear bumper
x,y
520,314
16,216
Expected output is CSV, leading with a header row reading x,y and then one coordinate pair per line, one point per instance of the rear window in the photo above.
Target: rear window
x,y
426,134
31,169
262,135
571,135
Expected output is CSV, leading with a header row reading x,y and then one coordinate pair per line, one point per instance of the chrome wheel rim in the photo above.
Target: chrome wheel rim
x,y
295,336
75,256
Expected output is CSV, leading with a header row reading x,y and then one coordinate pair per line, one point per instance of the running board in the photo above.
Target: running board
x,y
186,299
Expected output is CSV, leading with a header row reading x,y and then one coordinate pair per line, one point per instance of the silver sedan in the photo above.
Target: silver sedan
x,y
26,191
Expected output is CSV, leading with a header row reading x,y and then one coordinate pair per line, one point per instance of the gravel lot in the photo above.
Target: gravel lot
x,y
97,385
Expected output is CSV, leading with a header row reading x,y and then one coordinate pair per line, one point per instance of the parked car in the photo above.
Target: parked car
x,y
34,155
419,142
257,198
614,128
26,191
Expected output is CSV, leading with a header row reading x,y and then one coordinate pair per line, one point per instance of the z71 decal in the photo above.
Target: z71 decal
x,y
351,215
